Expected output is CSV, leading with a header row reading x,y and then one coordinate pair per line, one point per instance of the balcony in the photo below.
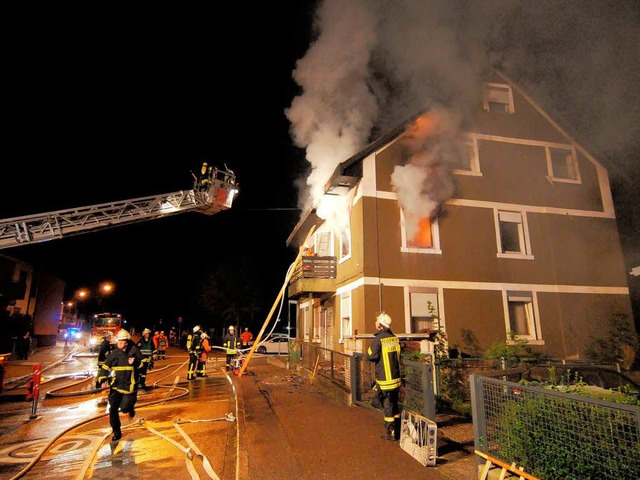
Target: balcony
x,y
315,275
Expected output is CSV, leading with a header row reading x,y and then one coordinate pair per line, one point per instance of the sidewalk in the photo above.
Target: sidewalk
x,y
293,428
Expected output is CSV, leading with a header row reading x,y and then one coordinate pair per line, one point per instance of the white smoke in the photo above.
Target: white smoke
x,y
375,63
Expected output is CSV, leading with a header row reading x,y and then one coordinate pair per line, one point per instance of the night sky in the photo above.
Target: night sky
x,y
102,106
102,112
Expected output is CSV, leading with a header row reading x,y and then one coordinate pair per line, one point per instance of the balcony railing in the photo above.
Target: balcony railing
x,y
314,267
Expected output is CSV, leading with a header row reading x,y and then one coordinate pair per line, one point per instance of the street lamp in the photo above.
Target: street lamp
x,y
106,288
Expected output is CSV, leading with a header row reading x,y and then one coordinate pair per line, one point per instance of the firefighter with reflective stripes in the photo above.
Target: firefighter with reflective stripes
x,y
194,346
146,347
201,366
231,342
120,372
385,353
104,350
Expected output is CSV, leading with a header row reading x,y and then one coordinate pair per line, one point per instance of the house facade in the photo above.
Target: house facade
x,y
524,245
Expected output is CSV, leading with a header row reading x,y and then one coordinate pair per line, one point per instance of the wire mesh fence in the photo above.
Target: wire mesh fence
x,y
555,435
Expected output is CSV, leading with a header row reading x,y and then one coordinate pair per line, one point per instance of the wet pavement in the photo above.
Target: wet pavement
x,y
272,422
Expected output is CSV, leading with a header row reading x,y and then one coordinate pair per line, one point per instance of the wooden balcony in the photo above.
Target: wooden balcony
x,y
315,275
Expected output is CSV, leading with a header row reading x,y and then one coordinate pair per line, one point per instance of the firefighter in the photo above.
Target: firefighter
x,y
246,337
385,353
155,338
231,342
120,372
104,350
146,347
194,346
161,346
201,366
204,179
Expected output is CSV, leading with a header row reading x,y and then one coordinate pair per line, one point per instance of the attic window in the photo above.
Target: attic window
x,y
497,97
562,164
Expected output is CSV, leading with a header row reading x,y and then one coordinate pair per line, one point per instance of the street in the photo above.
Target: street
x,y
271,422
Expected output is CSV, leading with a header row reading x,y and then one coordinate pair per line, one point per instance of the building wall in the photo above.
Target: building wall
x,y
49,299
574,268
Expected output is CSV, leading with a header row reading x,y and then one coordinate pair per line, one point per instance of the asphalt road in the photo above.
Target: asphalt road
x,y
270,423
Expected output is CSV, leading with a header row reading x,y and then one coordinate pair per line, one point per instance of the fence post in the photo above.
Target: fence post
x,y
355,376
429,398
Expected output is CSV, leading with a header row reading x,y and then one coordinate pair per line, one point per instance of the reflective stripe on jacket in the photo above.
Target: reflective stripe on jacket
x,y
385,353
121,375
231,342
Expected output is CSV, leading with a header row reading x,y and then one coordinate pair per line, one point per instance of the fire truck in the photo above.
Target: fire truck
x,y
213,191
101,324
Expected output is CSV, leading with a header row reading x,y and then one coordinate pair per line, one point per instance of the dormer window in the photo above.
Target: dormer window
x,y
497,97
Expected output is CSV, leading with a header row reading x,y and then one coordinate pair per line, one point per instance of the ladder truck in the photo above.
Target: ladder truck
x,y
213,191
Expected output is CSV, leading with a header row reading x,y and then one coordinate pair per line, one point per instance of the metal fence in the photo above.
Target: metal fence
x,y
555,435
355,375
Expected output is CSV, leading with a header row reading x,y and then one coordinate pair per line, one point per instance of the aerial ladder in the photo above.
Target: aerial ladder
x,y
213,191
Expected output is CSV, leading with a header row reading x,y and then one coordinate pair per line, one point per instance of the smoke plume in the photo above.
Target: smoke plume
x,y
374,63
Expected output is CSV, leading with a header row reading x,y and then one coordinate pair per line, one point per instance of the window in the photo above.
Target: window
x,y
513,236
419,235
345,315
306,319
497,97
345,244
562,164
521,315
317,327
424,311
468,162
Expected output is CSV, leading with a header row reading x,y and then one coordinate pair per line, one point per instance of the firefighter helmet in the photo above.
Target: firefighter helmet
x,y
384,320
196,328
123,335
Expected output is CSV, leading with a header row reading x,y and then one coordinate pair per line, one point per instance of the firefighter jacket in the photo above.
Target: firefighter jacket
x,y
146,346
106,347
231,342
205,348
385,353
162,343
195,345
121,375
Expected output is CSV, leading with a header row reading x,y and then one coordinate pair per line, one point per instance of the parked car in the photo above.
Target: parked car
x,y
274,344
571,374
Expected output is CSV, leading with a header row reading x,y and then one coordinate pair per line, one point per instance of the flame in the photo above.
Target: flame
x,y
422,237
423,127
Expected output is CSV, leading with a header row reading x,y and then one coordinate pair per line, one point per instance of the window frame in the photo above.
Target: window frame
x,y
518,217
509,297
435,237
345,256
471,146
434,294
346,322
572,164
497,88
306,312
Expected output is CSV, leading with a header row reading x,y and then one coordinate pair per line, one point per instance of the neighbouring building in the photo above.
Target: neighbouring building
x,y
510,233
30,299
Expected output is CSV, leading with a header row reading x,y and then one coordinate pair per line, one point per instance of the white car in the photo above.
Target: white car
x,y
275,344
